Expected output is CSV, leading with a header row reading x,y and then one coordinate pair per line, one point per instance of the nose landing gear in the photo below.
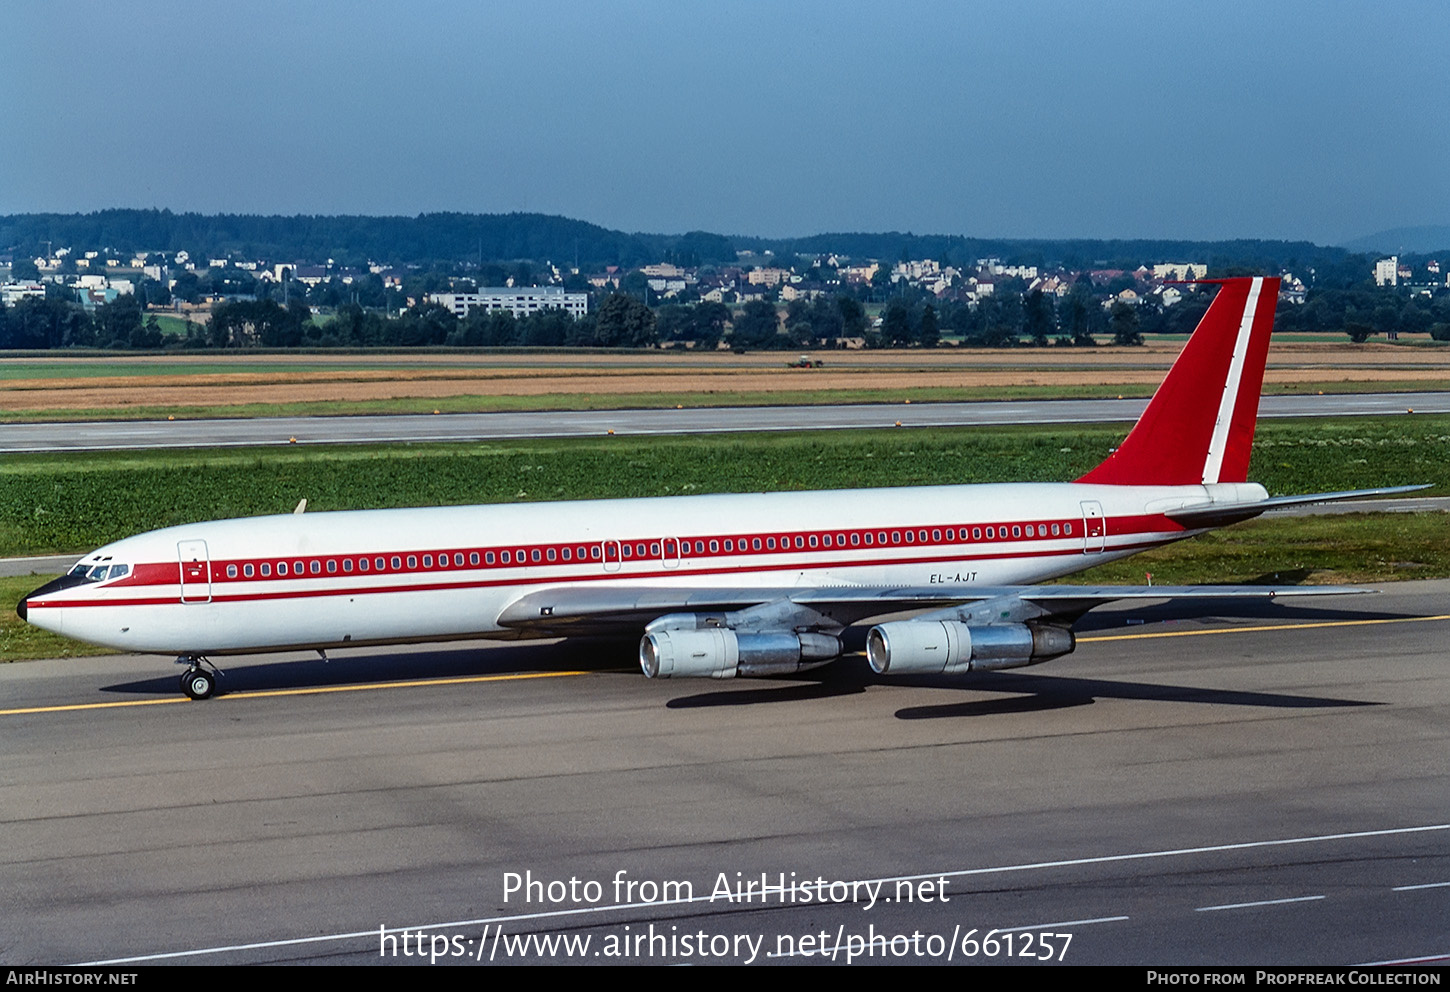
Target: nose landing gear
x,y
200,680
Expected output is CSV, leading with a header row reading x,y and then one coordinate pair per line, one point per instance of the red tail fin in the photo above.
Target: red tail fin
x,y
1199,426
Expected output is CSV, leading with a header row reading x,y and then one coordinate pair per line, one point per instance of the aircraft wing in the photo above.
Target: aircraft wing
x,y
565,610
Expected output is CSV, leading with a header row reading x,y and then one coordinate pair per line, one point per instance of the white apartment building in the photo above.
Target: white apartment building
x,y
519,301
1387,271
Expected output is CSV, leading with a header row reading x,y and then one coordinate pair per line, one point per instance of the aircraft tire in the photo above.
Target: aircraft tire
x,y
198,683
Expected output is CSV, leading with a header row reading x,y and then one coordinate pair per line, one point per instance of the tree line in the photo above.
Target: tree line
x,y
1010,317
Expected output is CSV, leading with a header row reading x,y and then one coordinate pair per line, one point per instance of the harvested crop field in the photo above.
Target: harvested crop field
x,y
335,383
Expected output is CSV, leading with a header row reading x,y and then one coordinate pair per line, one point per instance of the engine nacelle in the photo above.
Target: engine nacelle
x,y
722,653
949,647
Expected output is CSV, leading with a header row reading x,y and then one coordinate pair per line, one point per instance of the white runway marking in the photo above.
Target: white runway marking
x,y
1262,902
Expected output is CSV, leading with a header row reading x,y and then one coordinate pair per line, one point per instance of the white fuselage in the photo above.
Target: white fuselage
x,y
320,580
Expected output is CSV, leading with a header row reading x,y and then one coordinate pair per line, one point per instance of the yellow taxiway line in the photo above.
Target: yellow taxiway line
x,y
308,691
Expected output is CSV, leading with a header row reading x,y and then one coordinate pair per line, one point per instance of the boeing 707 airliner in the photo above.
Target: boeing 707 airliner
x,y
723,585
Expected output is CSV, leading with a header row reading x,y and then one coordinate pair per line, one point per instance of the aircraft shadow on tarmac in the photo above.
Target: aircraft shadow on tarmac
x,y
406,666
1023,692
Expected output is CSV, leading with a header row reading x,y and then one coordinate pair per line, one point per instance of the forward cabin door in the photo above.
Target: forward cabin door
x,y
195,571
1094,526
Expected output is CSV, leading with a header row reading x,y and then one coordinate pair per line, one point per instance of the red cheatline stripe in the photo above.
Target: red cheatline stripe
x,y
594,576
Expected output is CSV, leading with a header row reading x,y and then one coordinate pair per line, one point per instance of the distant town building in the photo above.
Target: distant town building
x,y
13,292
1180,271
1387,271
519,301
767,276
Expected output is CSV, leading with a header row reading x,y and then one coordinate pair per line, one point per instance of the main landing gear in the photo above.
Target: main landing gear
x,y
200,680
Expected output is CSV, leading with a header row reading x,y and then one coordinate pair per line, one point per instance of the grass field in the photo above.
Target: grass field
x,y
53,503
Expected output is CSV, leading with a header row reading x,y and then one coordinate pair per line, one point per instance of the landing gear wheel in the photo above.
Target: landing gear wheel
x,y
198,683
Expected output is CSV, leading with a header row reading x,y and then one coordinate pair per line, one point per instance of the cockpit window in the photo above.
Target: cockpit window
x,y
98,574
80,569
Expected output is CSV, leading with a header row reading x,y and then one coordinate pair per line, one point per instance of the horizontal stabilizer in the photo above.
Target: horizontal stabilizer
x,y
1222,514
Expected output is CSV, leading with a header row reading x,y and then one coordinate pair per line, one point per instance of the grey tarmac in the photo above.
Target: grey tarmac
x,y
121,435
1267,788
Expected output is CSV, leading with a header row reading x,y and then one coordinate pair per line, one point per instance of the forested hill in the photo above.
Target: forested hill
x,y
464,238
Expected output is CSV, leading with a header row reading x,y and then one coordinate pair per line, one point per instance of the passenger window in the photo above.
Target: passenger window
x,y
1067,529
231,571
281,568
1055,530
488,558
534,555
568,552
397,562
991,533
332,566
1016,531
427,561
473,558
800,542
976,533
714,547
362,564
316,568
412,561
298,568
266,570
458,559
594,552
755,543
770,544
246,570
814,542
552,554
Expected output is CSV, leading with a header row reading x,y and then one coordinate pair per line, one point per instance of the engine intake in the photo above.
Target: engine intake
x,y
722,653
949,647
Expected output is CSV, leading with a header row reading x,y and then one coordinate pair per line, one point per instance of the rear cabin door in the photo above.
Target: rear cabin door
x,y
195,571
1094,526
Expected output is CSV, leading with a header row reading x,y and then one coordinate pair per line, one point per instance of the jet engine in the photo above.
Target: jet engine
x,y
686,645
911,647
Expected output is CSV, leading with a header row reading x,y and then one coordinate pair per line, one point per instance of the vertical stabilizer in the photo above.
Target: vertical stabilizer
x,y
1199,426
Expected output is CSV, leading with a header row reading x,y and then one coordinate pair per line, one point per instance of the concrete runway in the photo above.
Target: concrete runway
x,y
1263,790
114,435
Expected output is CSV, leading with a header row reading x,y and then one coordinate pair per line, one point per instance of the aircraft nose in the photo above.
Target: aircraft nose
x,y
54,585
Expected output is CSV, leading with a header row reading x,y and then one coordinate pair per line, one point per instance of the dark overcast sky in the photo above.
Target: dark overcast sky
x,y
1284,119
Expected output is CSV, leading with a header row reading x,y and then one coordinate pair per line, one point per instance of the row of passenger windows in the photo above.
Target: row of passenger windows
x,y
633,550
